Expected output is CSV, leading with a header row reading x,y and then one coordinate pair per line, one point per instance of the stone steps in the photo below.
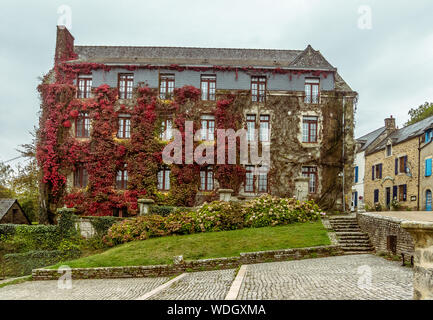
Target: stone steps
x,y
350,237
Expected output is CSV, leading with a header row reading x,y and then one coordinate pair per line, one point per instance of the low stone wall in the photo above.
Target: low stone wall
x,y
380,227
195,265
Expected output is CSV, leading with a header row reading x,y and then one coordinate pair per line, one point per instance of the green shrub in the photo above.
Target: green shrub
x,y
167,210
37,237
20,264
66,222
216,216
7,229
102,224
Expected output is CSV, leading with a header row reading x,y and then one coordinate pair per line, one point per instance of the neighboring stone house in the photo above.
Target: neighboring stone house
x,y
393,167
295,99
362,144
11,212
426,176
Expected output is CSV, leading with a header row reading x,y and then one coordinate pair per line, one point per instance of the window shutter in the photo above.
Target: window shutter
x,y
380,171
396,166
372,173
428,167
405,164
356,174
404,192
394,192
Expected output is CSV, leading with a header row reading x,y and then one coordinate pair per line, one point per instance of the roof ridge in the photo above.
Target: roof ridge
x,y
184,47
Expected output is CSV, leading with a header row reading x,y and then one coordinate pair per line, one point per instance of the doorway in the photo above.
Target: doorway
x,y
388,197
428,200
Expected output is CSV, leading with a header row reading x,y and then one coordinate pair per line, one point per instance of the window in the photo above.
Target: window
x,y
388,150
166,129
376,195
84,84
312,90
125,84
376,171
124,126
251,126
164,179
356,172
258,89
208,127
206,179
122,179
400,165
166,86
208,86
402,192
80,177
428,136
249,179
428,167
120,212
264,128
82,125
309,129
263,182
311,172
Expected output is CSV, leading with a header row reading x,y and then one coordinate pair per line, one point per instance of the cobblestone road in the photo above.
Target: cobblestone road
x,y
95,289
344,277
206,285
328,278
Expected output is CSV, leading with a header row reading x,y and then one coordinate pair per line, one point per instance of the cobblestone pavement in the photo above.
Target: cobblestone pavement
x,y
95,289
332,278
206,285
343,277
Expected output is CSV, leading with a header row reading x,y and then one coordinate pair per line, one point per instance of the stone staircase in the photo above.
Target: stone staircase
x,y
350,236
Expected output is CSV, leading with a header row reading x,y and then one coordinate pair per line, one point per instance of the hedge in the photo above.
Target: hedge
x,y
7,229
20,264
167,210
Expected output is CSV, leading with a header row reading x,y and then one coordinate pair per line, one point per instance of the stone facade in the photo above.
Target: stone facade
x,y
389,179
196,265
379,228
422,232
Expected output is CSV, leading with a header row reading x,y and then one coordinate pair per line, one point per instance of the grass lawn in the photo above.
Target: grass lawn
x,y
206,245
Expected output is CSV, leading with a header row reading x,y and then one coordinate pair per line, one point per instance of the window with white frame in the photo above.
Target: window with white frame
x,y
84,86
249,179
312,90
164,179
206,179
309,129
264,127
258,88
166,86
208,127
251,126
124,131
125,84
208,87
311,173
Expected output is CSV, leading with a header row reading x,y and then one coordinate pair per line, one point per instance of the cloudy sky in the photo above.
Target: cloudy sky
x,y
388,60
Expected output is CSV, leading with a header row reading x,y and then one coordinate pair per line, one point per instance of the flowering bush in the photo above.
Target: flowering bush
x,y
216,216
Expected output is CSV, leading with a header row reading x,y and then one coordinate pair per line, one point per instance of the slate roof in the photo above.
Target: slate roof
x,y
369,138
406,133
293,59
5,205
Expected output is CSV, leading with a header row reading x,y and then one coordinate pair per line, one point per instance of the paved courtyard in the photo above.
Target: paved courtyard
x,y
343,277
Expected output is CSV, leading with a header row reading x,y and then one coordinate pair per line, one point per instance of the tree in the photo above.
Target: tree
x,y
5,177
422,112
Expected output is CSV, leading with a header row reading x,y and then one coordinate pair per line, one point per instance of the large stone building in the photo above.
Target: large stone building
x,y
104,110
393,167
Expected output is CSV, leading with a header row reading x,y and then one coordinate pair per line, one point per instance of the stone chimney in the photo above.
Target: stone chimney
x,y
390,124
64,45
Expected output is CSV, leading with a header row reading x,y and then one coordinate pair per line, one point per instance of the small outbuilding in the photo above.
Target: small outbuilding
x,y
11,212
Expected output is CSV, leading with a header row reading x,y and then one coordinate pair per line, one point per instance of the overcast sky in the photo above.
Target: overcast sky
x,y
390,64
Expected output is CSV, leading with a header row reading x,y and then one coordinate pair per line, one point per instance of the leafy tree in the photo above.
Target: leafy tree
x,y
422,112
5,177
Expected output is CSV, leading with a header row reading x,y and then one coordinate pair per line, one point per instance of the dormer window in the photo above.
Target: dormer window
x,y
428,135
389,150
312,90
258,89
84,86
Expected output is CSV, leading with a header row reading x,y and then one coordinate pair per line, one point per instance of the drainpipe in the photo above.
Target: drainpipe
x,y
419,171
344,124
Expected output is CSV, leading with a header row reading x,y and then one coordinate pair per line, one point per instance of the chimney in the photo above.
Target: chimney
x,y
64,45
390,124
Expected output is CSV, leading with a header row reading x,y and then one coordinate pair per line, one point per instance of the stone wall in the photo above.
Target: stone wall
x,y
389,179
380,227
85,226
195,265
